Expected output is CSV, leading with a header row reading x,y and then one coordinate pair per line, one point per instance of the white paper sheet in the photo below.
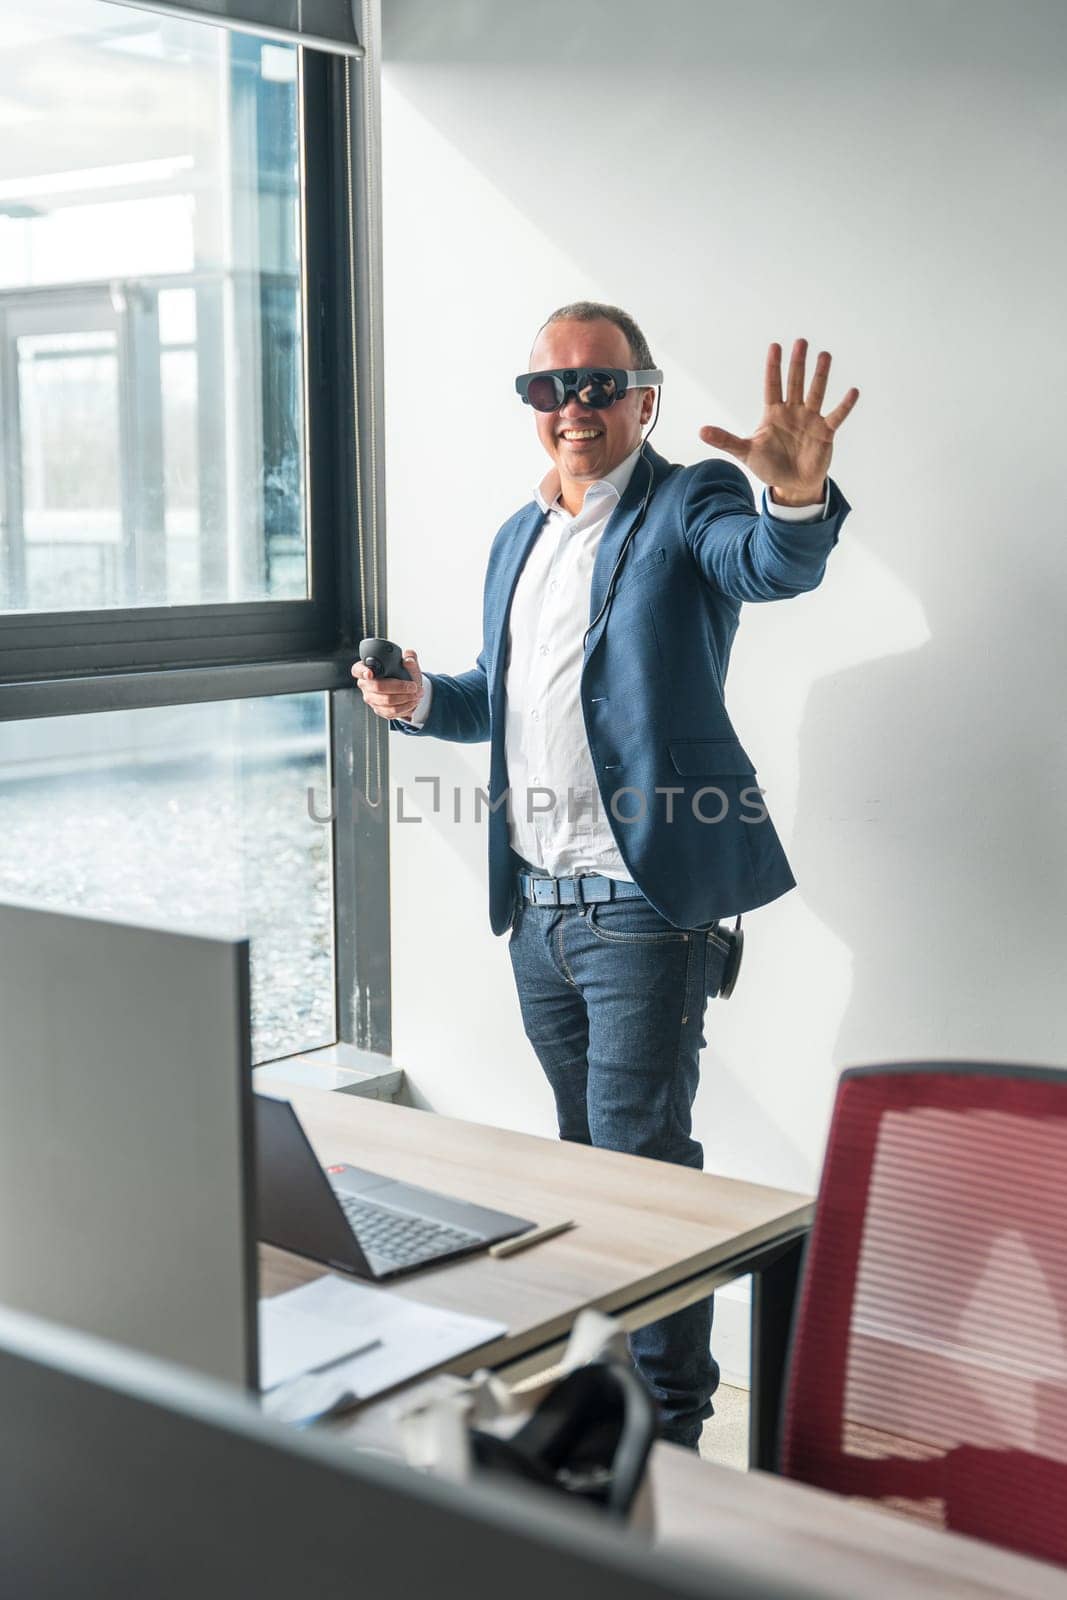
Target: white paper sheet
x,y
371,1338
293,1340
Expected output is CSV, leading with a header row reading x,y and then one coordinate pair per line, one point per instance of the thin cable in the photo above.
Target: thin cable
x,y
637,523
368,611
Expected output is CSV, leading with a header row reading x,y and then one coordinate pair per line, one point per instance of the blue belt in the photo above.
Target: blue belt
x,y
586,890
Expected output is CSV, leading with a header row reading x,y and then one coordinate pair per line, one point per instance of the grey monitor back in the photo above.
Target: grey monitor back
x,y
125,1135
128,1477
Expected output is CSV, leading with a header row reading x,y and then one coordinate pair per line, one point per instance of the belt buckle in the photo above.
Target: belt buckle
x,y
550,897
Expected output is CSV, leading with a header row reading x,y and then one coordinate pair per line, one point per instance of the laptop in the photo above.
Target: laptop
x,y
356,1221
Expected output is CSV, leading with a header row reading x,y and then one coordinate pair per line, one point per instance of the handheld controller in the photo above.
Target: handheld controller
x,y
383,658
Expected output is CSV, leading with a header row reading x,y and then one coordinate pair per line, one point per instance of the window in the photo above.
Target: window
x,y
191,817
190,388
151,337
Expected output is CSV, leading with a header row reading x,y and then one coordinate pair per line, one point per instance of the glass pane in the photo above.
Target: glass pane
x,y
150,222
181,475
189,816
177,316
71,511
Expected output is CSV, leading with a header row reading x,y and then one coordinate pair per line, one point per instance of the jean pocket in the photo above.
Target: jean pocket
x,y
630,922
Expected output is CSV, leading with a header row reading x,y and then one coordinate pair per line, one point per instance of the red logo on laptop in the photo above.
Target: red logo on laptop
x,y
335,1169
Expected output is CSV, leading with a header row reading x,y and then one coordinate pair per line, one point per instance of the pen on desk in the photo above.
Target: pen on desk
x,y
523,1241
340,1361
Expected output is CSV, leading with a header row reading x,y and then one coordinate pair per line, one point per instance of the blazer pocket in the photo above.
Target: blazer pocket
x,y
695,757
655,558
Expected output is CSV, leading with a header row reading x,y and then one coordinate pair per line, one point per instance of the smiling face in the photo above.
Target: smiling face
x,y
584,443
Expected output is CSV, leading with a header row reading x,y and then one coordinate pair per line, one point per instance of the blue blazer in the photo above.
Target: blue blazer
x,y
652,685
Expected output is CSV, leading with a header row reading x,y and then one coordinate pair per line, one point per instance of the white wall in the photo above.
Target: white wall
x,y
886,180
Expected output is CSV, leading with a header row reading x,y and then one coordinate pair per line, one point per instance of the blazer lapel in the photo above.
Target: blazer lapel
x,y
528,523
621,521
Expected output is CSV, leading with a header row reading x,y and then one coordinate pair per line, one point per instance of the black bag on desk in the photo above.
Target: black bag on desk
x,y
589,1437
584,1428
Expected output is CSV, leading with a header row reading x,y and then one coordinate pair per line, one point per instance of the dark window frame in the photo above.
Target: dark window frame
x,y
56,663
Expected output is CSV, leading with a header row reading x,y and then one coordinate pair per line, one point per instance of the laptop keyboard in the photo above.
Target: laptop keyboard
x,y
397,1237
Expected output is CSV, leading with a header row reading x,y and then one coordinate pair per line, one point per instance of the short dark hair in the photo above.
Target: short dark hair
x,y
595,311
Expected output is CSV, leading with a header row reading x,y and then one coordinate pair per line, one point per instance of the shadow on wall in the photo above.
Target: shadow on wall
x,y
878,178
943,867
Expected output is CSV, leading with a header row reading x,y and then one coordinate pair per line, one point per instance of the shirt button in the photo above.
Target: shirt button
x,y
544,650
534,715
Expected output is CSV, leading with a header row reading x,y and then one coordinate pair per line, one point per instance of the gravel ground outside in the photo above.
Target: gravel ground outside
x,y
215,845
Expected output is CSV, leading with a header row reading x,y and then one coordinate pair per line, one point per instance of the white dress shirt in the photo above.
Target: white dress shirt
x,y
557,815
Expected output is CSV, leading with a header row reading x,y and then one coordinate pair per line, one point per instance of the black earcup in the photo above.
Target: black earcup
x,y
736,939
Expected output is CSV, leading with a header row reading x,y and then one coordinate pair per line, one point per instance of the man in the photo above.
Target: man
x,y
625,818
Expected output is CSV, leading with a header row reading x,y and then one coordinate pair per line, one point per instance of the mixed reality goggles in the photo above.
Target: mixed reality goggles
x,y
598,387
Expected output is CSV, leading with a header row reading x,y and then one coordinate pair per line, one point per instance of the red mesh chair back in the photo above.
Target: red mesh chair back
x,y
928,1368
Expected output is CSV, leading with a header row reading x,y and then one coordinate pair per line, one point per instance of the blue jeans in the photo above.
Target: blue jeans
x,y
613,999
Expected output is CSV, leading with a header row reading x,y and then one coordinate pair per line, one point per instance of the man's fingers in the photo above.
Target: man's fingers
x,y
772,377
839,413
390,691
390,697
817,392
719,439
411,661
364,676
391,705
795,391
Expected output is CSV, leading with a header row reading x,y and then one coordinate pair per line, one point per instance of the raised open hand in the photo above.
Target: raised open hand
x,y
791,449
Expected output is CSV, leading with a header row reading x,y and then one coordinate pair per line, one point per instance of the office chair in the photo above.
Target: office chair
x,y
928,1368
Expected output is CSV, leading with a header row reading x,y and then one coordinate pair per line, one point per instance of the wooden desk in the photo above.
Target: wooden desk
x,y
779,1530
650,1239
